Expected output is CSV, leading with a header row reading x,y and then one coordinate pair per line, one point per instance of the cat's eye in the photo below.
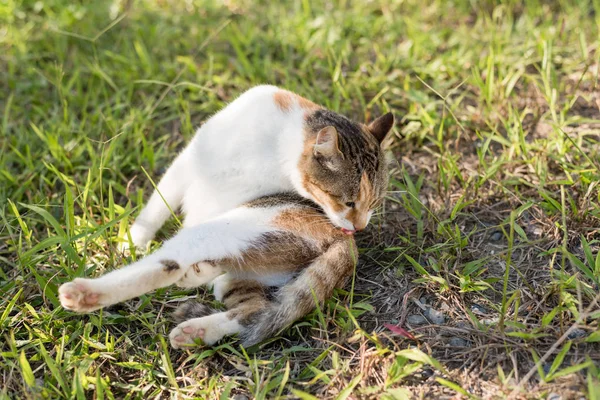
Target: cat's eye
x,y
350,204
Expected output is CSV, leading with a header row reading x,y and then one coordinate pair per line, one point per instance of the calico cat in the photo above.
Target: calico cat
x,y
271,141
330,174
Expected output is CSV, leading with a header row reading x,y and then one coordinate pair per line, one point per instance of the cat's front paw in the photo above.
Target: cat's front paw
x,y
79,296
140,237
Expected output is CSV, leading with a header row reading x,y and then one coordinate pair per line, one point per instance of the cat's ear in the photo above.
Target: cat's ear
x,y
327,142
381,126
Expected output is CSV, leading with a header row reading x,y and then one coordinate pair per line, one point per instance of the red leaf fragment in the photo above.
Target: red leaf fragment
x,y
400,331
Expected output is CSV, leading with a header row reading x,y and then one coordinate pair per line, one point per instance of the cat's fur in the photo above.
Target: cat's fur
x,y
267,141
270,141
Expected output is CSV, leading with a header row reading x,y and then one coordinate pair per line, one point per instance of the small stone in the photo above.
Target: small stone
x,y
496,236
423,300
477,309
427,373
435,316
456,341
490,321
554,396
546,368
239,397
416,319
577,334
464,325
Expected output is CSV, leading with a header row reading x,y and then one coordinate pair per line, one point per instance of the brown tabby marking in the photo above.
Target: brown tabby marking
x,y
285,101
304,232
261,317
364,201
276,251
311,187
191,309
244,299
170,265
355,173
310,224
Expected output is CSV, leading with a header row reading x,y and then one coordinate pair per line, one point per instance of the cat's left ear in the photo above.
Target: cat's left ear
x,y
381,126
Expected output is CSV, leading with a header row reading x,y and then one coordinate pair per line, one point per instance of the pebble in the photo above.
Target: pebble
x,y
416,319
554,396
435,316
427,373
239,397
456,341
577,334
464,325
477,309
490,321
546,368
496,236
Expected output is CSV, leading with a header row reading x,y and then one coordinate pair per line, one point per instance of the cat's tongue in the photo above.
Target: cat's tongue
x,y
348,231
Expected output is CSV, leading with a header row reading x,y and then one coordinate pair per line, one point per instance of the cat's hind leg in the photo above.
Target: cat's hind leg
x,y
243,298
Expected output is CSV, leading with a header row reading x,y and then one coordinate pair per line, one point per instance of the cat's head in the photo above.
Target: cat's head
x,y
343,167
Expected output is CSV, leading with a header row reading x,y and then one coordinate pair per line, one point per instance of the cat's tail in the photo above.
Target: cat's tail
x,y
297,298
191,309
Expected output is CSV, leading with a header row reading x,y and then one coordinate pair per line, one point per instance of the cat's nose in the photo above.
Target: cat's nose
x,y
360,226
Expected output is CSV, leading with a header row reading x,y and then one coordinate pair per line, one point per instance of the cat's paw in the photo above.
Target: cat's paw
x,y
140,237
199,274
208,330
188,333
79,296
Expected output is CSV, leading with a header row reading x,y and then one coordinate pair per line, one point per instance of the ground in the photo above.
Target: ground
x,y
479,277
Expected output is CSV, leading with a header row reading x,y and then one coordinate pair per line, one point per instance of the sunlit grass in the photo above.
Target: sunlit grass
x,y
492,215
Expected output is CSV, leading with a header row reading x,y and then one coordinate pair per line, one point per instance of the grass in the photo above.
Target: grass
x,y
492,218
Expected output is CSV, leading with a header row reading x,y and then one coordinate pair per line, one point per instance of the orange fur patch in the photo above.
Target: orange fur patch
x,y
358,215
308,224
285,100
304,234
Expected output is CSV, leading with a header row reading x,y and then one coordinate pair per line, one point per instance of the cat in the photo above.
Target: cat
x,y
329,173
269,141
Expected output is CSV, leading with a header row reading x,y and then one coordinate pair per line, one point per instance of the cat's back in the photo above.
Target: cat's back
x,y
253,114
253,130
251,148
